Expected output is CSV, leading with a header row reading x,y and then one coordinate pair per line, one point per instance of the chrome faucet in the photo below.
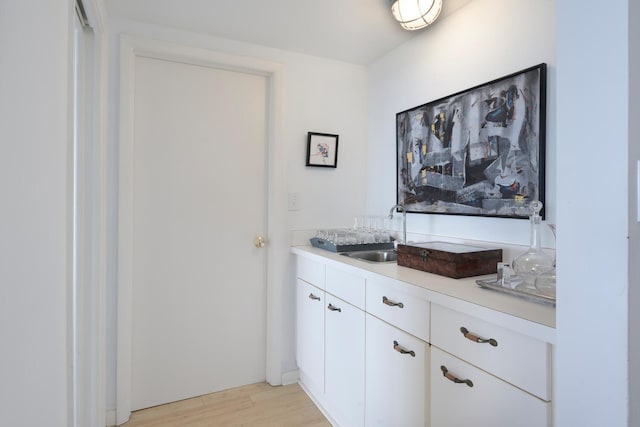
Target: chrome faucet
x,y
404,221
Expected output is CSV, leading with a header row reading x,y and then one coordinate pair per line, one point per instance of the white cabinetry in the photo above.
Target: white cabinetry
x,y
374,350
486,375
468,396
397,355
397,376
330,340
394,302
310,335
344,362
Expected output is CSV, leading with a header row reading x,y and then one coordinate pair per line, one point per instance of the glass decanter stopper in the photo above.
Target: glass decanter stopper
x,y
534,261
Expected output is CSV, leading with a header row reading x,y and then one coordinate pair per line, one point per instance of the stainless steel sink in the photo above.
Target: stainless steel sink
x,y
376,257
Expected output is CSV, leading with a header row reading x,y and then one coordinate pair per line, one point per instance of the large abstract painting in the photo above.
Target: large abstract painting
x,y
476,152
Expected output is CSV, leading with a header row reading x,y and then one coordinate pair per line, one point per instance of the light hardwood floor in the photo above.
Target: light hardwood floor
x,y
256,405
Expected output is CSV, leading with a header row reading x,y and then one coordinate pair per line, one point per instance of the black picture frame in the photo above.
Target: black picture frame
x,y
322,150
478,152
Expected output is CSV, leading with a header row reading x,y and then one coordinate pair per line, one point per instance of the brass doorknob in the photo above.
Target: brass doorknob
x,y
260,242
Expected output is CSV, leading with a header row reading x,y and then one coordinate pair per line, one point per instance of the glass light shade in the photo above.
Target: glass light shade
x,y
416,14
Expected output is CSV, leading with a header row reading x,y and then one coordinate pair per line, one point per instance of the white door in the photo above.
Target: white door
x,y
199,201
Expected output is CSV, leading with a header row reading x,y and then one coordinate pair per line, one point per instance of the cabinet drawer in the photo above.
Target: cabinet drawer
x,y
516,358
489,402
386,300
345,285
310,271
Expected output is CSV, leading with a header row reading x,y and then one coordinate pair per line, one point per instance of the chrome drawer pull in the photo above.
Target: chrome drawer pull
x,y
473,337
334,308
397,347
313,297
448,375
390,303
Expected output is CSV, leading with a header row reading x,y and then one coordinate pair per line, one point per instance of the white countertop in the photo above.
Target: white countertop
x,y
535,319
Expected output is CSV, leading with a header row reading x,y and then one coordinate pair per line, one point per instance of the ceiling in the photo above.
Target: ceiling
x,y
357,31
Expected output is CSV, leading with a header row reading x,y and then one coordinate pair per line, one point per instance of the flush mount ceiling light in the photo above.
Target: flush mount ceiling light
x,y
416,14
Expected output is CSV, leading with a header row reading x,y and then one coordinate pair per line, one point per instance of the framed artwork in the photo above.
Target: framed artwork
x,y
322,150
477,152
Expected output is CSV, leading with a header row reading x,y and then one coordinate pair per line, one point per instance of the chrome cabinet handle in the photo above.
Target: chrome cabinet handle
x,y
391,303
400,349
334,308
448,375
313,297
473,337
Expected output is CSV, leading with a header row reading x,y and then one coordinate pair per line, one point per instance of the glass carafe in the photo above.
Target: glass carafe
x,y
534,261
546,282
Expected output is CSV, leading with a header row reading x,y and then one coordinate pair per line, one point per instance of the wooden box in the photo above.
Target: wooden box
x,y
449,259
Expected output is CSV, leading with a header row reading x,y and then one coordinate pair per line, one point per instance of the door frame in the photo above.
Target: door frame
x,y
277,248
88,300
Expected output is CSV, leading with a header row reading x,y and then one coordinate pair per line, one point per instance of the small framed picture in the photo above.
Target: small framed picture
x,y
322,150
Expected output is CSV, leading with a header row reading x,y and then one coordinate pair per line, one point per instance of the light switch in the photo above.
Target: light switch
x,y
294,201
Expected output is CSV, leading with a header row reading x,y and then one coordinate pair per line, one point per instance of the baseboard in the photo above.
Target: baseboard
x,y
318,405
290,377
111,418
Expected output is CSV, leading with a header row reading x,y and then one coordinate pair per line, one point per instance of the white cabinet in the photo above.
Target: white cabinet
x,y
344,362
377,351
347,286
310,335
486,375
393,301
311,271
330,336
397,377
463,395
516,358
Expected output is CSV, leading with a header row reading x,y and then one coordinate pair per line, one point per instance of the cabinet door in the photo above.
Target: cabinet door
x,y
344,362
396,376
310,336
479,399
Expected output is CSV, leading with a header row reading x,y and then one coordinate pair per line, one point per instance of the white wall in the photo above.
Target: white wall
x,y
482,41
634,224
593,270
35,172
319,95
587,125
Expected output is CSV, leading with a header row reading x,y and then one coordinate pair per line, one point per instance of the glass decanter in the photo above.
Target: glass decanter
x,y
534,261
546,282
